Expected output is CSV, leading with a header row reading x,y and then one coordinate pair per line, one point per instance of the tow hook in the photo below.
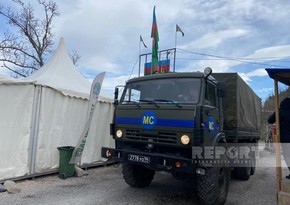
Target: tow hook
x,y
163,165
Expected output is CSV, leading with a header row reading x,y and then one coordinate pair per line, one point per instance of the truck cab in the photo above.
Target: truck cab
x,y
176,110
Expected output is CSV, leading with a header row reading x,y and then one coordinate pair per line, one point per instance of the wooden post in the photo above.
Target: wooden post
x,y
277,144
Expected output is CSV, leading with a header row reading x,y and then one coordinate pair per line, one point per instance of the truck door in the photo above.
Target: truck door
x,y
211,118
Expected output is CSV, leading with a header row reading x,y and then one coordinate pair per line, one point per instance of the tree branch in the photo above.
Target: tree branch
x,y
35,38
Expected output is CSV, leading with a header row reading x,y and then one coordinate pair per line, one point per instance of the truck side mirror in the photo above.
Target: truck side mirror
x,y
116,95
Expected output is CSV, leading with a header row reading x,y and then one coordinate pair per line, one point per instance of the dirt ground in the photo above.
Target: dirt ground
x,y
105,185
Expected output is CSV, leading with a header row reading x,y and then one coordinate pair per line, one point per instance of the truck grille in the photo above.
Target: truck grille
x,y
160,137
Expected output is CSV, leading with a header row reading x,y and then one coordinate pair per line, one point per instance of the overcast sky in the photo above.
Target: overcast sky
x,y
247,36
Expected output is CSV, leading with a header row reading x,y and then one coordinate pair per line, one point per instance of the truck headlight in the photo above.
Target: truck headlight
x,y
185,139
119,133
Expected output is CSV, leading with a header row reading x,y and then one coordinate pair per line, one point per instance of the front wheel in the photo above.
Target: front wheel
x,y
137,175
212,187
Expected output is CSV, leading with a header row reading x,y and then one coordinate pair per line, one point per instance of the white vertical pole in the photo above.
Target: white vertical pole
x,y
34,128
139,57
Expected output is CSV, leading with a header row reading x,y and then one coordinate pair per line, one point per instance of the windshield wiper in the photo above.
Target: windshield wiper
x,y
169,101
134,102
150,101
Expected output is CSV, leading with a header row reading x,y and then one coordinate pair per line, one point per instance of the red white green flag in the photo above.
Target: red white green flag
x,y
155,39
178,29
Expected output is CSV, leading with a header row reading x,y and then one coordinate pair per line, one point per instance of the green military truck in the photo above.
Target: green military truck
x,y
161,124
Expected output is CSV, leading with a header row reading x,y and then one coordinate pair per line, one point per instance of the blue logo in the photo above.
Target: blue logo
x,y
97,88
149,120
211,125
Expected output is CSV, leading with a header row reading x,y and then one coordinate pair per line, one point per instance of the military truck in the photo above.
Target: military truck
x,y
159,126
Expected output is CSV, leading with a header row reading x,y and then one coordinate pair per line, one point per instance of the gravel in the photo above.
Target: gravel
x,y
105,185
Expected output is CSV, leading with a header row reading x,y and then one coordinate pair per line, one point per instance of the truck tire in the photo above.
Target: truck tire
x,y
212,187
253,163
178,176
137,176
242,173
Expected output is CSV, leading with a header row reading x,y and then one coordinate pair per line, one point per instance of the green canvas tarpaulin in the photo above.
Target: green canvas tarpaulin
x,y
242,107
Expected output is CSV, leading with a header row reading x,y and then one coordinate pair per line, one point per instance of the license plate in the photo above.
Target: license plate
x,y
138,158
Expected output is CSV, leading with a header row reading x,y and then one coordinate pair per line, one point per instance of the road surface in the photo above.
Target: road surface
x,y
105,185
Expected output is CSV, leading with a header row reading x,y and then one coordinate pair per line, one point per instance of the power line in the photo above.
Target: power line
x,y
243,58
218,59
230,58
133,68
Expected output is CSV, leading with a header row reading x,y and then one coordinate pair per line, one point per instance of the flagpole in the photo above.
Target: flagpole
x,y
175,39
139,57
175,51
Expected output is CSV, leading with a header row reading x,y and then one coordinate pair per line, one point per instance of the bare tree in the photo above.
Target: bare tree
x,y
74,55
23,51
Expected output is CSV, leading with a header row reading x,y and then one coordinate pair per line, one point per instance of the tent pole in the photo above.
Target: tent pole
x,y
277,147
34,128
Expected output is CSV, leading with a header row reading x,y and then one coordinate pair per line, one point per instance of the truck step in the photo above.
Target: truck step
x,y
283,198
285,185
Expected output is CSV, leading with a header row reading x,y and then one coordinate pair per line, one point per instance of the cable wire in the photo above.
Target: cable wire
x,y
242,60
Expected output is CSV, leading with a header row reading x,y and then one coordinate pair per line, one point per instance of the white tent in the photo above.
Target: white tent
x,y
45,111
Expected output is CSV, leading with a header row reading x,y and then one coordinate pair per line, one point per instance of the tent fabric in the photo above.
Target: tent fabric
x,y
58,126
282,75
15,119
4,80
59,73
99,133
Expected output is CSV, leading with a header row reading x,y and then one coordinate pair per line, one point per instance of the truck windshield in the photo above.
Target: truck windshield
x,y
173,90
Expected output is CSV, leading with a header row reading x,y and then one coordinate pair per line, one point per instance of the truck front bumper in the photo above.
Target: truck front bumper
x,y
154,161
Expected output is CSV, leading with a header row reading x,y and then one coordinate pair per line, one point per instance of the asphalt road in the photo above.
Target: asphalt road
x,y
105,185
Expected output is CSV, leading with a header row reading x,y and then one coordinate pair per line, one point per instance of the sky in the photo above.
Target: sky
x,y
244,36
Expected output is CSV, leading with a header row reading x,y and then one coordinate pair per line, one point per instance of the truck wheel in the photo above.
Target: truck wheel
x,y
137,175
212,188
253,163
242,173
178,175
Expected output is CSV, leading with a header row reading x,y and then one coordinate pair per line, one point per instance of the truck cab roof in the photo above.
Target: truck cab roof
x,y
170,75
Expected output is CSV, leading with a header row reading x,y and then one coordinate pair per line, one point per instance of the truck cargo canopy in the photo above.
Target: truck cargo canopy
x,y
242,107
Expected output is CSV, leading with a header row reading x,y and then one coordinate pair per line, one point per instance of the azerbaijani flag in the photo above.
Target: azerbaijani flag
x,y
178,29
155,39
